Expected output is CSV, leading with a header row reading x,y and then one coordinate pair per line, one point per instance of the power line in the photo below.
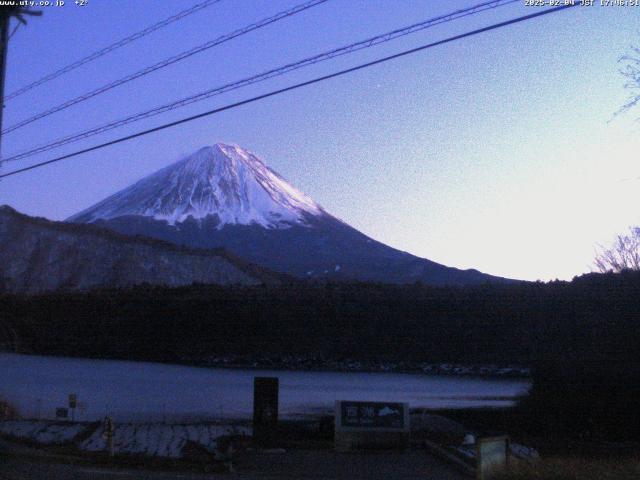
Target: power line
x,y
370,42
114,46
169,61
294,87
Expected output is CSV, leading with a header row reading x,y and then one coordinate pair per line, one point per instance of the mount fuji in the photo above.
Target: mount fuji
x,y
225,196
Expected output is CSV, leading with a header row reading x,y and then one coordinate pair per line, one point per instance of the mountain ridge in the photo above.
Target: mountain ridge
x,y
38,255
279,228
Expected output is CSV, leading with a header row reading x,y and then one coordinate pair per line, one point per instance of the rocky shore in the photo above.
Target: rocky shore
x,y
319,363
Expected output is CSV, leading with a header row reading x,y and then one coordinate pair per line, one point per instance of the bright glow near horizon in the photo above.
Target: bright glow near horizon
x,y
494,153
548,226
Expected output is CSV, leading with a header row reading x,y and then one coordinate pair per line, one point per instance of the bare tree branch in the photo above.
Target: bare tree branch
x,y
631,72
623,254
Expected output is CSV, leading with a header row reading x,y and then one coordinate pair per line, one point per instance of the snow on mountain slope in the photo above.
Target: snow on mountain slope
x,y
223,180
225,197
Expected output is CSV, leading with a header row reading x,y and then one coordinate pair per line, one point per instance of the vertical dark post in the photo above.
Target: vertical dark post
x,y
265,410
73,402
4,48
107,432
110,444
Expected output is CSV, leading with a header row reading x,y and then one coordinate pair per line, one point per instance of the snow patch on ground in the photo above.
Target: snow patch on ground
x,y
515,449
160,440
148,439
45,433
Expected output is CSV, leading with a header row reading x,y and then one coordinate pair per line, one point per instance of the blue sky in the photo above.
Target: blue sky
x,y
496,152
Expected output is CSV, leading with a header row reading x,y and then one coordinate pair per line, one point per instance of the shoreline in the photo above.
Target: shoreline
x,y
493,372
301,364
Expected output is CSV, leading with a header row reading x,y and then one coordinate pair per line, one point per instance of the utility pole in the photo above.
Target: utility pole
x,y
5,18
5,21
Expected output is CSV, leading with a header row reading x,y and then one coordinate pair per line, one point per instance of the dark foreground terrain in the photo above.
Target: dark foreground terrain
x,y
300,464
581,338
23,463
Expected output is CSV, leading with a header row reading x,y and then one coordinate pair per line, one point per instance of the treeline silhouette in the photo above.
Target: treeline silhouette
x,y
581,337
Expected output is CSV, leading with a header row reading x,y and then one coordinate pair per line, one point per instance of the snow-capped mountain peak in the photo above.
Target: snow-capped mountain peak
x,y
241,205
223,180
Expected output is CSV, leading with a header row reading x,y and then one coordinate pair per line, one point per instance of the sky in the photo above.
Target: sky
x,y
498,152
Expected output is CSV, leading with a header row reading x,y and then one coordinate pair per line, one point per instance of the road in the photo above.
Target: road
x,y
293,464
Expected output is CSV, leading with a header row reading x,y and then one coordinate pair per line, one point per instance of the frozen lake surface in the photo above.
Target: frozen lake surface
x,y
139,391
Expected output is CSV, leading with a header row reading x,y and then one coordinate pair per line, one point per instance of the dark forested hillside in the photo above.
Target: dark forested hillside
x,y
521,323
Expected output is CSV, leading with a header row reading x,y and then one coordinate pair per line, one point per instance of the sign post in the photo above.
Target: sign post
x,y
265,410
492,456
107,433
371,425
73,403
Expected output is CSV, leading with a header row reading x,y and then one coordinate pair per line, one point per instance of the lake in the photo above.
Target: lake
x,y
140,391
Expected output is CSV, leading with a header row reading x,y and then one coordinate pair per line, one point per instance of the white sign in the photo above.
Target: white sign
x,y
491,456
371,424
